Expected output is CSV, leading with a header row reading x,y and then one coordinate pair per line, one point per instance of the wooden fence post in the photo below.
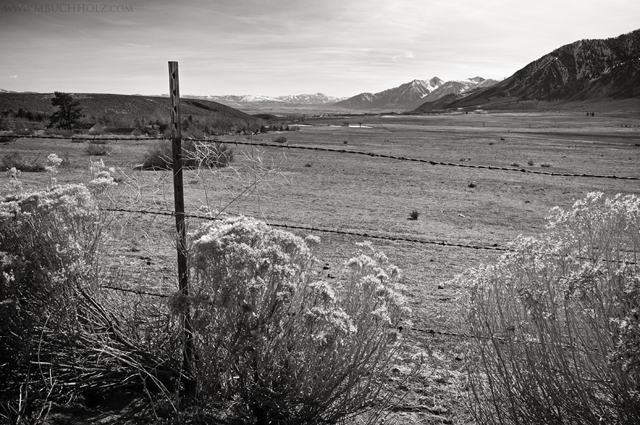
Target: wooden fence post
x,y
178,190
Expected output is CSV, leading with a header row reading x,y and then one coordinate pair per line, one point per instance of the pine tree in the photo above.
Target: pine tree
x,y
68,114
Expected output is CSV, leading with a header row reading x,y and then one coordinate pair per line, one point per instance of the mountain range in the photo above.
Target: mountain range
x,y
405,96
240,101
402,98
411,95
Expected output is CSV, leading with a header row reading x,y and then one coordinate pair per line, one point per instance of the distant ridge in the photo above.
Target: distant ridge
x,y
586,70
124,109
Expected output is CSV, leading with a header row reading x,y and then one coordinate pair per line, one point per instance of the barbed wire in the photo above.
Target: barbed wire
x,y
135,291
154,294
352,152
494,247
437,332
424,161
429,331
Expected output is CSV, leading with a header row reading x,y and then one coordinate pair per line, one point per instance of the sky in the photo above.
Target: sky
x,y
285,47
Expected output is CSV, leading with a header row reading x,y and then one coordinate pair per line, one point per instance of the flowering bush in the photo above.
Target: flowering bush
x,y
15,185
277,342
54,162
101,177
47,244
556,321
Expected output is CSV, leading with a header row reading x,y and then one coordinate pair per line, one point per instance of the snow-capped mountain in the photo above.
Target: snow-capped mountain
x,y
459,87
405,96
410,95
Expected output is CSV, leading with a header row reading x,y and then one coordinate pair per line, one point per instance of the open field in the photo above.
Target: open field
x,y
375,195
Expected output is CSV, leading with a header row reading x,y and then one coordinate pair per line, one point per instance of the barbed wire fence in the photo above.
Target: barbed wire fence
x,y
310,228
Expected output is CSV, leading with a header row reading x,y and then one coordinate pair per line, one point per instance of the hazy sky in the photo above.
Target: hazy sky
x,y
278,47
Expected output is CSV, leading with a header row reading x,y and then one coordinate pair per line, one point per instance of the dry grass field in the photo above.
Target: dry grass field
x,y
354,193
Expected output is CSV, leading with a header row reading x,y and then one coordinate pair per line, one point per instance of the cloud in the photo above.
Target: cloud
x,y
13,76
136,45
407,54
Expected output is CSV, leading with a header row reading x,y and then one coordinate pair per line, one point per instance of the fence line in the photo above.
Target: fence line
x,y
369,154
495,247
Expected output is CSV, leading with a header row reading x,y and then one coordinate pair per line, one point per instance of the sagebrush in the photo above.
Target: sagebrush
x,y
195,154
278,342
556,322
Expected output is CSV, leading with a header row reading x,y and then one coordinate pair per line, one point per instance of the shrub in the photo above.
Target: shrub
x,y
23,132
60,333
414,215
195,154
98,148
17,161
47,244
280,139
158,156
211,155
530,162
275,341
66,161
556,322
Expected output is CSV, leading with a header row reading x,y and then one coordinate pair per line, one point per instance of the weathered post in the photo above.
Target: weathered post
x,y
178,191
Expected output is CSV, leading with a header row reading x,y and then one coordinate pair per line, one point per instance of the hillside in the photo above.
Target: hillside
x,y
130,110
438,104
586,70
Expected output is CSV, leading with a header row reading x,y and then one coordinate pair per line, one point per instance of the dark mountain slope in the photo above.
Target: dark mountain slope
x,y
584,70
439,104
